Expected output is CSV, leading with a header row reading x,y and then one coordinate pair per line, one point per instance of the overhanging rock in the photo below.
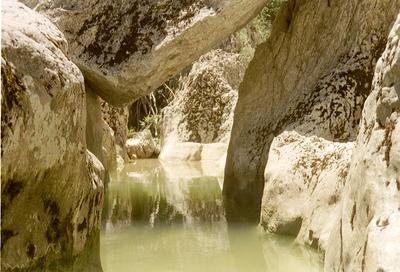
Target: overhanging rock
x,y
126,49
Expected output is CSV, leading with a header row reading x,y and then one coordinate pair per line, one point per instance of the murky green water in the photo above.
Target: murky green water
x,y
170,217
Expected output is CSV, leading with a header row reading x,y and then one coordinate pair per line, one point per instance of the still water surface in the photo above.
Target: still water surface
x,y
170,217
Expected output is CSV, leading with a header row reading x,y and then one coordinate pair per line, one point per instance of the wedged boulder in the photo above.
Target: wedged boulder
x,y
304,180
141,145
120,45
312,71
51,188
368,230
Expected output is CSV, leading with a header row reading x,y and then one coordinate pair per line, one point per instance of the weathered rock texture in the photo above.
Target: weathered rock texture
x,y
126,49
304,181
100,138
202,111
311,71
367,236
117,120
51,187
142,145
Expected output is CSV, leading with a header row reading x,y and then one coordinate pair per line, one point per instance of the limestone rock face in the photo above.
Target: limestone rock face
x,y
100,138
142,146
296,83
304,180
202,111
367,234
117,120
126,49
51,188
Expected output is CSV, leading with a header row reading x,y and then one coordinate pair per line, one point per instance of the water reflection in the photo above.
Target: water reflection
x,y
164,193
170,217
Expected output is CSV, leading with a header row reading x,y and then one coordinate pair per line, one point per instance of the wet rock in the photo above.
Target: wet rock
x,y
119,45
366,236
51,188
311,76
141,145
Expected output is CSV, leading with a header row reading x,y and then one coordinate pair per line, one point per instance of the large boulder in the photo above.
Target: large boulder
x,y
202,110
317,68
203,103
126,49
304,180
51,187
141,145
367,236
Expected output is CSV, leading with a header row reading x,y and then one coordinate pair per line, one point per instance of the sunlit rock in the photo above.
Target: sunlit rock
x,y
202,110
141,145
312,76
51,187
126,49
304,179
368,230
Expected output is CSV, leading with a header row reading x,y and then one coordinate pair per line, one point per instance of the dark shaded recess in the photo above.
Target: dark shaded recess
x,y
53,232
142,15
139,109
353,214
82,226
9,193
30,250
6,234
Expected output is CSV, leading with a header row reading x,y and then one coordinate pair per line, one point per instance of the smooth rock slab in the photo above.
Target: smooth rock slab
x,y
126,49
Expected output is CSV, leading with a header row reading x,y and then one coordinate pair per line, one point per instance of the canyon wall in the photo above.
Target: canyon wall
x,y
312,76
366,237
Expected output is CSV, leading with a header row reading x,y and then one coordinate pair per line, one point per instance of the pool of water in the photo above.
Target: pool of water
x,y
170,217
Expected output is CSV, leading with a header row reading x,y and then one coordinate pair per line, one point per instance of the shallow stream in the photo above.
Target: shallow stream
x,y
169,217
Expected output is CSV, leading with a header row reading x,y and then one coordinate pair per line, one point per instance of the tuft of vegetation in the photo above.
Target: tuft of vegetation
x,y
151,122
145,113
262,25
264,20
